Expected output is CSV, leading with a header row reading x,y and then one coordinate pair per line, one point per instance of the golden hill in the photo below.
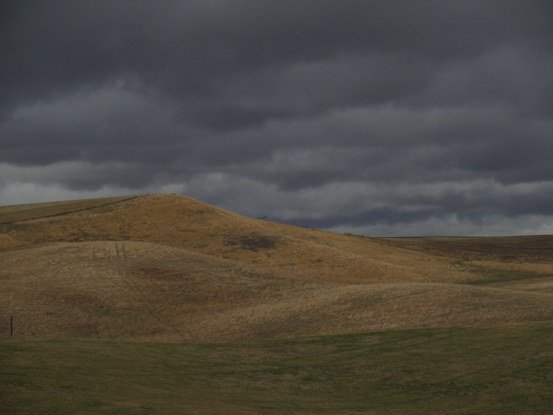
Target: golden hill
x,y
182,222
169,268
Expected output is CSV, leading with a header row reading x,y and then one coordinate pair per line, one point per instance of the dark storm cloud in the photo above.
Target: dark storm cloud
x,y
335,113
194,50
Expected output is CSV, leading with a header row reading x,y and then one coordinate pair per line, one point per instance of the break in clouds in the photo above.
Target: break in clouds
x,y
380,118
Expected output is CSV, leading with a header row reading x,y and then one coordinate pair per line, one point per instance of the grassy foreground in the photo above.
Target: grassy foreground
x,y
505,370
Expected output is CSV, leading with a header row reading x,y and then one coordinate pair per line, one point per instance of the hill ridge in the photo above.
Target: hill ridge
x,y
171,268
64,207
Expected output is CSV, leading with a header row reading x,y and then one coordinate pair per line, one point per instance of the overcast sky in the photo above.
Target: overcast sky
x,y
390,117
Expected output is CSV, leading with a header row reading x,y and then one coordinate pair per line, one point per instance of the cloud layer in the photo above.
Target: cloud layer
x,y
382,118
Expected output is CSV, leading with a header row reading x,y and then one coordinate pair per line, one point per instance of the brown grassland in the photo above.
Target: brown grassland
x,y
170,269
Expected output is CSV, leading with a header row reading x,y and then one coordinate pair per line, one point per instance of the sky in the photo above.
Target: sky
x,y
380,118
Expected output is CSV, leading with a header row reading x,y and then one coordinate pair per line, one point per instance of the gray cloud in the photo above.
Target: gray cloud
x,y
384,117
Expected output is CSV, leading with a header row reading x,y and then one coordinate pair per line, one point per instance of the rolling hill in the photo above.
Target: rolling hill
x,y
163,304
170,268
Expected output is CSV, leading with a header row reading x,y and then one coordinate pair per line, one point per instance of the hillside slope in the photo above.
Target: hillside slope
x,y
182,222
169,268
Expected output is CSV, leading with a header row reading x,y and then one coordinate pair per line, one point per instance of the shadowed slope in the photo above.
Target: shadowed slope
x,y
492,370
504,248
16,213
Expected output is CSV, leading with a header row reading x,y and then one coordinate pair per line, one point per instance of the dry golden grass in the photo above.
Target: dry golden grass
x,y
169,268
185,223
137,290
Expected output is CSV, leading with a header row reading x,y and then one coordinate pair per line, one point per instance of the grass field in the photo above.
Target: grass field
x,y
496,370
163,304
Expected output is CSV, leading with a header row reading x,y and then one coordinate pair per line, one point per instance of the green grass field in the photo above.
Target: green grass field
x,y
492,276
506,370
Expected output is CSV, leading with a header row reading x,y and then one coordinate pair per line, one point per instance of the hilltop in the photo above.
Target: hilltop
x,y
170,268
